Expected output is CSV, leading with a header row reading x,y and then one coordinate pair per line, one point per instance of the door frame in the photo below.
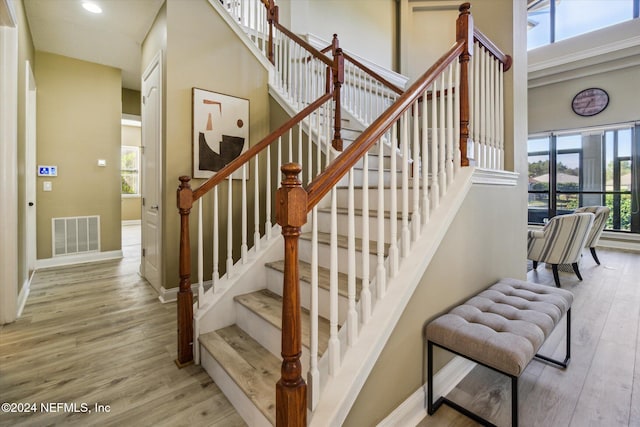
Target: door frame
x,y
156,62
30,168
9,163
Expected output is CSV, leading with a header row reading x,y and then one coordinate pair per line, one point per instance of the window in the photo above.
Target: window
x,y
586,168
549,21
130,170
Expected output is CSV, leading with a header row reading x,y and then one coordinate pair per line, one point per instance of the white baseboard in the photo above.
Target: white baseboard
x,y
171,295
24,294
131,222
413,410
77,259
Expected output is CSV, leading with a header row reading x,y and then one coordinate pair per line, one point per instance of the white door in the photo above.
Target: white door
x,y
151,266
30,173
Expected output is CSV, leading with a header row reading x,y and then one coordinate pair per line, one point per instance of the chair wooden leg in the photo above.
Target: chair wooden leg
x,y
554,267
535,265
594,255
576,270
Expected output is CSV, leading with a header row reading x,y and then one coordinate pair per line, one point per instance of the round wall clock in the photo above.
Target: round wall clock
x,y
590,102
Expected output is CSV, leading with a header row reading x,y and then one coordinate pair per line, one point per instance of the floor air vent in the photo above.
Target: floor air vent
x,y
75,235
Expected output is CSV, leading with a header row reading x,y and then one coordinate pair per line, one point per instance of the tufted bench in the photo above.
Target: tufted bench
x,y
502,328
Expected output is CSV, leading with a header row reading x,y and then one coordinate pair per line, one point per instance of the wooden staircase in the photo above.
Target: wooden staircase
x,y
324,307
244,358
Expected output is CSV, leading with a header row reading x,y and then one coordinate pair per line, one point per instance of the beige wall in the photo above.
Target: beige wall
x,y
26,52
469,259
371,35
131,209
201,51
550,105
130,102
79,113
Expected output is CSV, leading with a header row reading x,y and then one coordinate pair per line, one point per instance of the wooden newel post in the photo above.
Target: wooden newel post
x,y
291,214
464,32
338,79
185,296
272,16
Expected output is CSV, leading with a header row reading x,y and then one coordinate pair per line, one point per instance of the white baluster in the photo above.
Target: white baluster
x,y
244,249
491,111
404,146
415,217
290,141
200,256
501,113
230,228
334,342
476,103
256,206
442,149
352,316
314,372
435,175
267,221
457,155
449,101
425,160
393,215
365,293
381,274
483,107
215,276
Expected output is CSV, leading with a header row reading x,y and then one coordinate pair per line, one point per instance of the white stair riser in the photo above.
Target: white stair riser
x,y
358,193
265,333
324,225
358,178
324,257
275,280
240,401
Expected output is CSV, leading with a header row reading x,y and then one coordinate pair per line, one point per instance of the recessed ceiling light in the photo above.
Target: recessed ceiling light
x,y
91,7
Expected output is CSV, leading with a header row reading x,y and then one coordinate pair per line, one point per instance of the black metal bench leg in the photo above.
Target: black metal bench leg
x,y
514,401
567,358
430,409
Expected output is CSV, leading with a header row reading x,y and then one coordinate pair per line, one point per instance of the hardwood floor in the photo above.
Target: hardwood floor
x,y
97,334
601,386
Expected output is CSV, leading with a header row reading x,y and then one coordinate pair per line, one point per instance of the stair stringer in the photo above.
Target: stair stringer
x,y
342,389
218,310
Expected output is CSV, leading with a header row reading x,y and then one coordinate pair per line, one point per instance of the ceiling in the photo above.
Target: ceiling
x,y
112,38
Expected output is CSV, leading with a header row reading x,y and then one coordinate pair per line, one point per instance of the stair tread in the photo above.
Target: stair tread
x,y
253,368
373,213
325,238
268,305
304,271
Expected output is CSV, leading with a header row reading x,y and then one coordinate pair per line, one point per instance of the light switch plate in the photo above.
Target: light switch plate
x,y
46,186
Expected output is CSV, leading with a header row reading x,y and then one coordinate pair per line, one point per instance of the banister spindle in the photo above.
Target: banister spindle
x,y
185,296
291,389
464,32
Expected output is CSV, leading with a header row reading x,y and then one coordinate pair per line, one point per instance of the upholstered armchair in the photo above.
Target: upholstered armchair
x,y
599,221
560,241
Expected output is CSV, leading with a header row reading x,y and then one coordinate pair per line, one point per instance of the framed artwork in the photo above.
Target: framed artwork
x,y
220,131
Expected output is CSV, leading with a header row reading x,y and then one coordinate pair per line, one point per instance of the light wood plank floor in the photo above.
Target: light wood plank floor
x,y
601,386
98,334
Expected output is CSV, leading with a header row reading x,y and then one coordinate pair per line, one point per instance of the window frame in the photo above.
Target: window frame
x,y
135,172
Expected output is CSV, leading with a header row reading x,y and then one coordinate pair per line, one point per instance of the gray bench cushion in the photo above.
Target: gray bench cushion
x,y
504,325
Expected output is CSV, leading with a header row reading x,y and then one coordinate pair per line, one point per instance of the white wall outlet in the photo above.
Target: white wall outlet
x,y
47,186
102,162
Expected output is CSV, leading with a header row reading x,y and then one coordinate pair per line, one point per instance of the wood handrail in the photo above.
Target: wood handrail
x,y
492,48
315,52
257,148
372,73
324,182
